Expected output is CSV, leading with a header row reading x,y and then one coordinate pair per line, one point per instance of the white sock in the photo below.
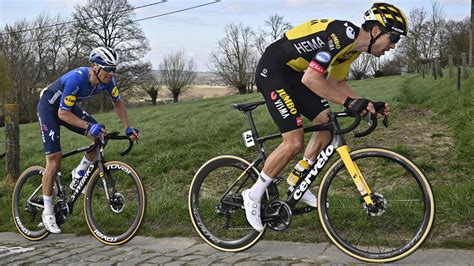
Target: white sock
x,y
309,161
48,205
257,190
83,165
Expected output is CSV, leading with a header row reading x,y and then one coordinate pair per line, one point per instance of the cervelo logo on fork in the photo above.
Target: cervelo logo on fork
x,y
322,159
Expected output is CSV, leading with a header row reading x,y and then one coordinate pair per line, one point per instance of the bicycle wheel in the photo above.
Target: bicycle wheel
x,y
27,204
216,205
403,211
115,203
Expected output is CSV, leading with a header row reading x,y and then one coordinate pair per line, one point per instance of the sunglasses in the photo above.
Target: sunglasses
x,y
108,69
394,38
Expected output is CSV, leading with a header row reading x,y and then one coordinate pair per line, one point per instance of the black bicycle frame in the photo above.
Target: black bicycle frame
x,y
98,163
310,174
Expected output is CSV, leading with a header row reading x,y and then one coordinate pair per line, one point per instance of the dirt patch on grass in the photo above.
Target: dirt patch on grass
x,y
418,135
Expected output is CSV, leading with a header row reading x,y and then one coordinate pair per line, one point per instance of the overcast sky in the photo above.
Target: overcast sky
x,y
197,31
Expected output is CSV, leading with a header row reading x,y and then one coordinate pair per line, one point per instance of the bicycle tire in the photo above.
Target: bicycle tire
x,y
107,221
28,220
206,199
401,191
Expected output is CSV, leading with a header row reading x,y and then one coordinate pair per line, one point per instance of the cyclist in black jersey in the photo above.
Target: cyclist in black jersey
x,y
298,73
57,106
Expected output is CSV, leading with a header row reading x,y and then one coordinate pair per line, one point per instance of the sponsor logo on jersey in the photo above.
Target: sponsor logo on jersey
x,y
264,73
323,57
316,67
336,41
115,92
350,32
69,100
285,104
309,46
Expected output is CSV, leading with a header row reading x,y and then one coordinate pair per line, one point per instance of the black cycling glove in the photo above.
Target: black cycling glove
x,y
356,105
379,107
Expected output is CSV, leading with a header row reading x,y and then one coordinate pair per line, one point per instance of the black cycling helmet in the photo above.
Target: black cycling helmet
x,y
389,16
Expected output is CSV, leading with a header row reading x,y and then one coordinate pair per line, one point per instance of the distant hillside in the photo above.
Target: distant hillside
x,y
203,78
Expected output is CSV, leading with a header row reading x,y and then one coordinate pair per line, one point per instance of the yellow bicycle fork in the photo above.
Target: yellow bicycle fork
x,y
356,175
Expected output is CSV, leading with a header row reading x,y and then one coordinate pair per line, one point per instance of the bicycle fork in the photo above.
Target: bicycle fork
x,y
356,175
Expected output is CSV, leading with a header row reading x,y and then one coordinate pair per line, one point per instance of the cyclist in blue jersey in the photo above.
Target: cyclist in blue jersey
x,y
57,106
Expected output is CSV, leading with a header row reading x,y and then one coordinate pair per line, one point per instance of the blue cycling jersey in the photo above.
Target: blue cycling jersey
x,y
74,86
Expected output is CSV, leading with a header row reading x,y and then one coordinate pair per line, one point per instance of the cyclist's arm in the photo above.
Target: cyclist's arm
x,y
343,87
121,111
317,83
71,119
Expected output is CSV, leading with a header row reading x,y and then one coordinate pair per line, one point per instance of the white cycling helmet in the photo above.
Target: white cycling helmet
x,y
104,56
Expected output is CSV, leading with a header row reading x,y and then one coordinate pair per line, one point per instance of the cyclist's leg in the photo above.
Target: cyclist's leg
x,y
88,158
315,109
279,97
49,127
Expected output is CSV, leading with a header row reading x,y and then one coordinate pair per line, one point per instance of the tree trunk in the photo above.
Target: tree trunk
x,y
242,89
153,100
175,97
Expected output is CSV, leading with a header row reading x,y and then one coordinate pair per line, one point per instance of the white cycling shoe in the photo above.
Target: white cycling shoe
x,y
308,197
49,222
252,211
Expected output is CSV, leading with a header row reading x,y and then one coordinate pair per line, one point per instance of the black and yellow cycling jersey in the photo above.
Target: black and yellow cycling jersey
x,y
326,42
323,45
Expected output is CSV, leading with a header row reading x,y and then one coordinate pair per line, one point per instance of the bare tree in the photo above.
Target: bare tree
x,y
362,67
276,26
150,84
110,23
234,59
424,38
177,73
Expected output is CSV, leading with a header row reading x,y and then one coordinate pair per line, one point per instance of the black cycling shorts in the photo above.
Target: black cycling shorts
x,y
286,97
47,112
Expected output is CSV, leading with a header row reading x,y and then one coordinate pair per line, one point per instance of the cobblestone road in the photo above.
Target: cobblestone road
x,y
66,248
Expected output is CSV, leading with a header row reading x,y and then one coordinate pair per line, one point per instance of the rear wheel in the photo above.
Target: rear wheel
x,y
216,205
27,204
399,221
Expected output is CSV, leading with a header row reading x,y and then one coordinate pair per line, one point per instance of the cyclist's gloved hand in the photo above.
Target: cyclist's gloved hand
x,y
356,105
130,131
379,107
95,129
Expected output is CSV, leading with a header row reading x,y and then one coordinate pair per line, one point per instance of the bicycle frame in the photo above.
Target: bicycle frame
x,y
337,143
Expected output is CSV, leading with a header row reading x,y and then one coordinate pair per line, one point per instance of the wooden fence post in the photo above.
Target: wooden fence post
x,y
439,71
465,70
12,142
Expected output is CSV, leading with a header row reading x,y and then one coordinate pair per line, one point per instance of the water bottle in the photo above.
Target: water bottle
x,y
295,174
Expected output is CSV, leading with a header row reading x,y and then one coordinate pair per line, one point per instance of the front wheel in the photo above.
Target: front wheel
x,y
115,203
399,221
216,205
27,204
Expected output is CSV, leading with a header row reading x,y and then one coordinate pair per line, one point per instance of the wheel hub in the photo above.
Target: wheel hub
x,y
380,205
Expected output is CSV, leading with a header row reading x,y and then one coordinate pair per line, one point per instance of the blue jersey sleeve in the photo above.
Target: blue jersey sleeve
x,y
113,90
69,96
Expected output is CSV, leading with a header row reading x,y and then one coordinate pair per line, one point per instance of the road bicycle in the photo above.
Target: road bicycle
x,y
114,198
373,204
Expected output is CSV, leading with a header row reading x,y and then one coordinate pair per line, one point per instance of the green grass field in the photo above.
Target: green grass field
x,y
431,123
